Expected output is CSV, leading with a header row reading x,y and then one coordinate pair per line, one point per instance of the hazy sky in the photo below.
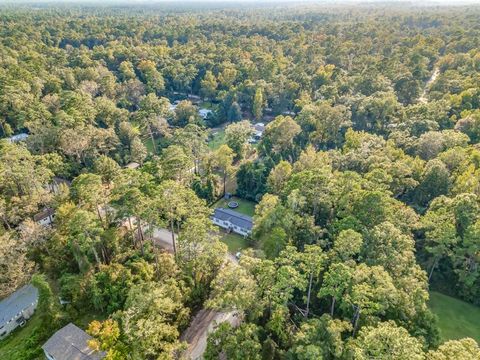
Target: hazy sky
x,y
416,2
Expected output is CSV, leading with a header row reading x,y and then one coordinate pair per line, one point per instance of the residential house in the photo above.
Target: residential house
x,y
70,343
18,138
132,165
17,308
258,130
233,221
45,217
205,113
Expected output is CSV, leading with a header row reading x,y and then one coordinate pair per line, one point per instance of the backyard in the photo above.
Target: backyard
x,y
234,241
244,206
217,139
456,319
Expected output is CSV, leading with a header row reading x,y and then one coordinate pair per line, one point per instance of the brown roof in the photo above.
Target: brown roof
x,y
44,214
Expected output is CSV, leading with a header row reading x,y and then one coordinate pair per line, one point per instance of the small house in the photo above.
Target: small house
x,y
233,221
132,165
258,130
18,138
70,343
205,113
45,217
17,308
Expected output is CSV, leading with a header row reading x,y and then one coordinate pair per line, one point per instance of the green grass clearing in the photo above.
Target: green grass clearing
x,y
234,242
217,139
244,206
456,318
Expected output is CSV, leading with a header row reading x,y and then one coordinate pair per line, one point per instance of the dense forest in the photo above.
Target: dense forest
x,y
366,179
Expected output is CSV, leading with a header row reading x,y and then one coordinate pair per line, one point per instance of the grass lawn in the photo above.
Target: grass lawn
x,y
149,144
217,139
244,206
457,319
234,242
15,346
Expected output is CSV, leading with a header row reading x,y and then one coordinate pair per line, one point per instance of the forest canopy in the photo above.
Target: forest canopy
x,y
352,131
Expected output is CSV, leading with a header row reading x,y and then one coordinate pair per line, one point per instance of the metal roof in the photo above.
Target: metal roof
x,y
71,343
242,221
20,300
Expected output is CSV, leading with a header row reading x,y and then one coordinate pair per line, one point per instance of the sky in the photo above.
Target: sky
x,y
246,2
447,2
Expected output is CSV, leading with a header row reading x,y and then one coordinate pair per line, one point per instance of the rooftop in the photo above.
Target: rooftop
x,y
18,137
70,343
132,165
16,302
45,213
243,221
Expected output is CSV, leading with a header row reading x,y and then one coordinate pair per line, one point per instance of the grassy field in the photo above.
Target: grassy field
x,y
217,139
457,319
234,242
244,206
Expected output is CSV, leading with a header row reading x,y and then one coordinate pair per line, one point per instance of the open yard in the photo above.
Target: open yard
x,y
234,242
217,139
457,319
244,206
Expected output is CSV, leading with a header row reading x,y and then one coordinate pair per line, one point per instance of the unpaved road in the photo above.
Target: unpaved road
x,y
204,323
423,99
206,320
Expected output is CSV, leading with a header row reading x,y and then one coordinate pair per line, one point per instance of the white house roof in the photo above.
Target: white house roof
x,y
242,221
17,302
204,113
259,127
71,343
18,137
132,165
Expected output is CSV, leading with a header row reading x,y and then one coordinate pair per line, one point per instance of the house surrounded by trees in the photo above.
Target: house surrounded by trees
x,y
233,221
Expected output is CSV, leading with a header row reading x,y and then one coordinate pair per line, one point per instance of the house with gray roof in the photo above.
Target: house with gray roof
x,y
70,343
233,221
17,308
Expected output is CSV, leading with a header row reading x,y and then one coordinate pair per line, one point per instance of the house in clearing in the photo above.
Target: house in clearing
x,y
233,221
205,113
70,343
132,165
18,138
17,308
